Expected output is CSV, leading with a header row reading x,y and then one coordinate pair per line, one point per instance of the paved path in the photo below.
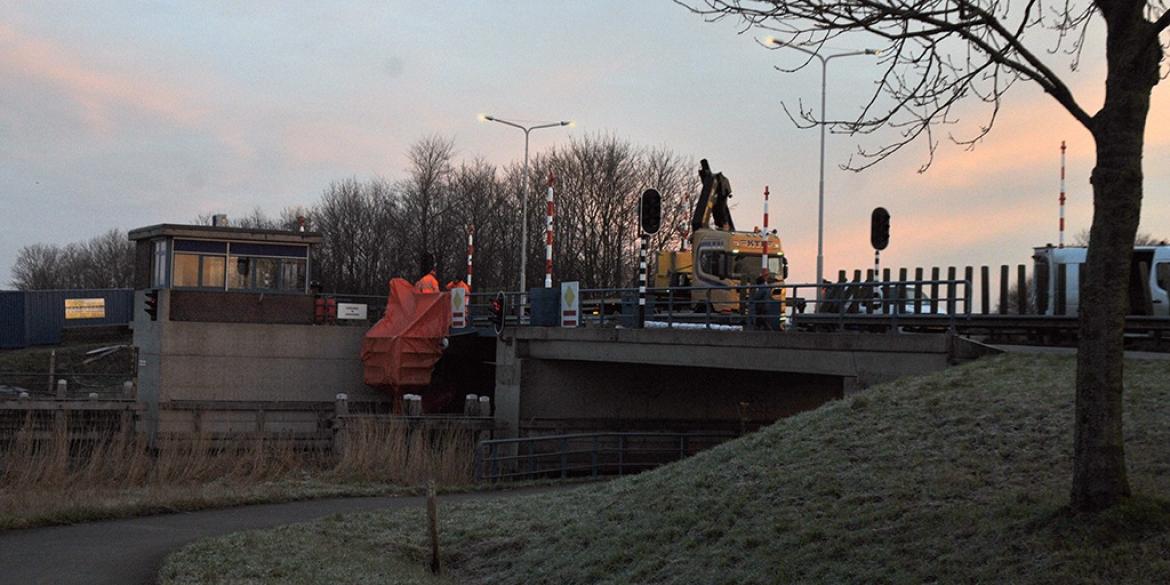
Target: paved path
x,y
131,552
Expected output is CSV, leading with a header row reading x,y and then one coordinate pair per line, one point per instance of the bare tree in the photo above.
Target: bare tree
x,y
938,52
426,199
1141,239
105,261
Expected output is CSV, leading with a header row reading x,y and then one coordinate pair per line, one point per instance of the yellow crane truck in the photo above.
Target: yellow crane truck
x,y
725,257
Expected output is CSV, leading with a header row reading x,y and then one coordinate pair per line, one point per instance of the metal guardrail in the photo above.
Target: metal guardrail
x,y
591,454
753,306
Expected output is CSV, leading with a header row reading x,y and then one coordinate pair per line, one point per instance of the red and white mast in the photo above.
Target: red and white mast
x,y
470,251
548,229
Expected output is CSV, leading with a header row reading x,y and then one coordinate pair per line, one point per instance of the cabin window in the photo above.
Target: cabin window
x,y
1163,275
713,263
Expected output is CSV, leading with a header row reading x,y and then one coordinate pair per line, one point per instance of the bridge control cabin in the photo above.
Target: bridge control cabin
x,y
216,272
224,323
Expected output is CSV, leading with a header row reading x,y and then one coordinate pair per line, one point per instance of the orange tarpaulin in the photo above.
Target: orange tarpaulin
x,y
401,349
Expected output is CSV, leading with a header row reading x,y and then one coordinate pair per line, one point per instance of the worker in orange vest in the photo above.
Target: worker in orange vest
x,y
428,283
458,284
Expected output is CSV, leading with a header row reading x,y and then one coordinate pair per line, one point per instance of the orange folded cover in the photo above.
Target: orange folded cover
x,y
401,349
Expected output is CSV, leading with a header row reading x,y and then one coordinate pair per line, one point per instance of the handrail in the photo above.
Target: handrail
x,y
500,459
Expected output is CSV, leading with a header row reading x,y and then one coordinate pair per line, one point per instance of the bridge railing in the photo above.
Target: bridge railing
x,y
765,307
586,454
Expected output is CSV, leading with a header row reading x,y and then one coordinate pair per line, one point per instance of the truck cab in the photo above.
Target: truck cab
x,y
733,259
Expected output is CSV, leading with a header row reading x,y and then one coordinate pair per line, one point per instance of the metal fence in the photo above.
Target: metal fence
x,y
586,454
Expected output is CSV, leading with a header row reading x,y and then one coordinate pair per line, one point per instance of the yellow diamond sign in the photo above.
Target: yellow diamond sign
x,y
570,304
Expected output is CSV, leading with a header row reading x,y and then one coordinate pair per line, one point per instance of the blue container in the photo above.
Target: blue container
x,y
38,317
546,306
13,332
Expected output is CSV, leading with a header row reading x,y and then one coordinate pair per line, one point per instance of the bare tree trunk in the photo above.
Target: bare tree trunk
x,y
1099,471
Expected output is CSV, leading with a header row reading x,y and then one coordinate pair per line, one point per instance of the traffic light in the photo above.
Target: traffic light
x,y
651,211
152,304
879,228
497,313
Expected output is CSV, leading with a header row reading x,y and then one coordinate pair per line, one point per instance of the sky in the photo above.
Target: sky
x,y
127,114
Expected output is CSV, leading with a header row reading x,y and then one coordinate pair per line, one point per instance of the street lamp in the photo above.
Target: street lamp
x,y
773,42
524,202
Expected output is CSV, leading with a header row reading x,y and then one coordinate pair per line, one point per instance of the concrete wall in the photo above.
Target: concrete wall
x,y
247,362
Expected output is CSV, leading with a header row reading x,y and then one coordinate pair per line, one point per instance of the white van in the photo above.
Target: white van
x,y
1048,260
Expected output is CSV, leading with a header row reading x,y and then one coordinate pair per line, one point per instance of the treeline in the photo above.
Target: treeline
x,y
105,261
376,229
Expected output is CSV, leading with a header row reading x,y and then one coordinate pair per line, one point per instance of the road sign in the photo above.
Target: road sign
x,y
570,304
458,308
358,311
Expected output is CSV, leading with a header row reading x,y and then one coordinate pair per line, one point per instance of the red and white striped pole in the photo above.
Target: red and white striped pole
x,y
548,228
1062,147
764,258
470,251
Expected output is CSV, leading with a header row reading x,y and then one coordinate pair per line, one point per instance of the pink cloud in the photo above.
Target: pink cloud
x,y
99,91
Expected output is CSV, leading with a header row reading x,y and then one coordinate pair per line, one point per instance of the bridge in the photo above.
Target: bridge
x,y
554,379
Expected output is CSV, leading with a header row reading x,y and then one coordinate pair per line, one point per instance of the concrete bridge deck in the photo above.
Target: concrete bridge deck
x,y
634,376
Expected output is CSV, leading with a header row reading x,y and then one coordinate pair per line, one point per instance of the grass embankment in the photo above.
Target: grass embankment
x,y
73,478
956,477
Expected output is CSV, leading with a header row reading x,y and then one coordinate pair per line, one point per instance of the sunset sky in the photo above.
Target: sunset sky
x,y
137,113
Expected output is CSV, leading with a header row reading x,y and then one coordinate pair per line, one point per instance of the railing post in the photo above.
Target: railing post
x,y
621,454
593,455
531,460
477,462
564,457
494,472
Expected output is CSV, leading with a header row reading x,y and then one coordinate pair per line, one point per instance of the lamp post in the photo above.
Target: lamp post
x,y
524,201
773,42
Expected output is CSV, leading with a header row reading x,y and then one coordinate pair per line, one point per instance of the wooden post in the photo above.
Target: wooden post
x,y
340,411
934,287
901,292
433,524
951,290
918,289
1004,277
1022,289
52,369
985,289
969,276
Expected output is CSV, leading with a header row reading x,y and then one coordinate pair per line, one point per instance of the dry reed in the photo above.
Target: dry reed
x,y
65,475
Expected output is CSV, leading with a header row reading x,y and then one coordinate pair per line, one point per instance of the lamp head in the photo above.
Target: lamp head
x,y
873,52
485,118
771,41
569,123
